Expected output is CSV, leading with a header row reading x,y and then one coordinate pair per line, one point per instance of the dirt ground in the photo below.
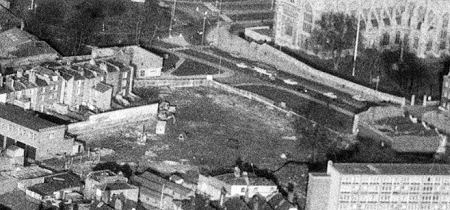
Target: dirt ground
x,y
218,128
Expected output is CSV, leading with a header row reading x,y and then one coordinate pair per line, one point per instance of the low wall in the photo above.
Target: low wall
x,y
175,83
291,65
380,112
113,118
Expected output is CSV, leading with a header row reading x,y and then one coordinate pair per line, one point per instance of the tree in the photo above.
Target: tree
x,y
334,33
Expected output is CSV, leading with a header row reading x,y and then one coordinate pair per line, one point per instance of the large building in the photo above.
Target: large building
x,y
40,138
372,186
421,25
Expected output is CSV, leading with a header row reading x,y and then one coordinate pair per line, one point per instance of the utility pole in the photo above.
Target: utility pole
x,y
204,23
356,43
172,17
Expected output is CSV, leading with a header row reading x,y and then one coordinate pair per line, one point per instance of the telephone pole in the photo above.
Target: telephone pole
x,y
172,17
356,43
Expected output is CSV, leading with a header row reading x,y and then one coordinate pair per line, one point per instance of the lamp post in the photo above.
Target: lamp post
x,y
356,43
204,23
172,17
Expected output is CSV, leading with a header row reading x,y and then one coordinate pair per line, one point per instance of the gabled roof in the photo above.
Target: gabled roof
x,y
156,183
102,87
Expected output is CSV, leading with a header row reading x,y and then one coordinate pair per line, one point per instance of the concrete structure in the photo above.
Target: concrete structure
x,y
20,177
157,192
259,34
39,138
18,47
96,179
248,185
370,186
421,25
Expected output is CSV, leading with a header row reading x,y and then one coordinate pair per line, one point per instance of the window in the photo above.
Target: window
x,y
288,30
243,190
125,74
429,45
397,37
307,28
416,43
385,40
142,74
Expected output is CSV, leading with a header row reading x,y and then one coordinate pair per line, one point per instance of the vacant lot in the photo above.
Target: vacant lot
x,y
219,128
189,68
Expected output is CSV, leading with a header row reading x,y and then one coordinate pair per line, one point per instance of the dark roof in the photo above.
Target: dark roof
x,y
41,82
155,183
254,180
102,87
118,186
24,118
55,183
392,169
19,43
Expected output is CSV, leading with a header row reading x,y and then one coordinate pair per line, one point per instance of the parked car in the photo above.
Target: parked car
x,y
290,81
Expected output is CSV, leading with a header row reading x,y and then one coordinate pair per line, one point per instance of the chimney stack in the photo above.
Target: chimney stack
x,y
237,172
19,73
1,80
32,76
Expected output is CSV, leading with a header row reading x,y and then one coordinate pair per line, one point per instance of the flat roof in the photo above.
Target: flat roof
x,y
392,169
254,180
24,118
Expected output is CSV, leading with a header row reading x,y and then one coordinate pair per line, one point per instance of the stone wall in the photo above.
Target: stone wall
x,y
114,118
380,112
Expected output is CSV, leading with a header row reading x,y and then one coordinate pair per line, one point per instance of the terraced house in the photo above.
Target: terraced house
x,y
421,26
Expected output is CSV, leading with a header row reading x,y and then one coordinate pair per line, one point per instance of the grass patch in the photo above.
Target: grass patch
x,y
190,68
311,110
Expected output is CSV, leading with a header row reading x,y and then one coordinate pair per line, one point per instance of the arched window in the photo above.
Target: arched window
x,y
307,18
385,39
398,37
373,20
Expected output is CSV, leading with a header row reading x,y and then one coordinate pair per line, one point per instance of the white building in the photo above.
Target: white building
x,y
422,25
348,186
248,185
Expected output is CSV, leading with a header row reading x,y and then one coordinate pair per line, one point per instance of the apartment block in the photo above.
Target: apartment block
x,y
371,186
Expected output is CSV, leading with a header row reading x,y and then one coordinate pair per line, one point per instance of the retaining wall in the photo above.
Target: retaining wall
x,y
114,118
291,65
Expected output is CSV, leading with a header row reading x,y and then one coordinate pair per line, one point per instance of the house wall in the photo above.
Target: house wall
x,y
102,100
130,194
47,142
318,191
264,190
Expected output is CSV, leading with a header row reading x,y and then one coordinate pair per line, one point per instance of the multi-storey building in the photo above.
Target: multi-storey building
x,y
370,186
421,26
39,138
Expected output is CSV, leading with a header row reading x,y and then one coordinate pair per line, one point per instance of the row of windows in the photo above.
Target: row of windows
x,y
388,197
385,206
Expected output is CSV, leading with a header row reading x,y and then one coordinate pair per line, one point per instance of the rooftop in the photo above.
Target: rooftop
x,y
19,43
98,175
24,118
392,169
118,186
253,179
102,88
55,183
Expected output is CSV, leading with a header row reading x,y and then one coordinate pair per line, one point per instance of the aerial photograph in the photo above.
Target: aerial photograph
x,y
224,104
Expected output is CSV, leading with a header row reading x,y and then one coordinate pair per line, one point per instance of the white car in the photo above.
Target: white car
x,y
330,95
241,65
290,81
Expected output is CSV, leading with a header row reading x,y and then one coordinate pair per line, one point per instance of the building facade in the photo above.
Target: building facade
x,y
347,186
420,26
40,138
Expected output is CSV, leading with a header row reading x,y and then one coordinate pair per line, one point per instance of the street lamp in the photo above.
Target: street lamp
x,y
204,22
172,17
